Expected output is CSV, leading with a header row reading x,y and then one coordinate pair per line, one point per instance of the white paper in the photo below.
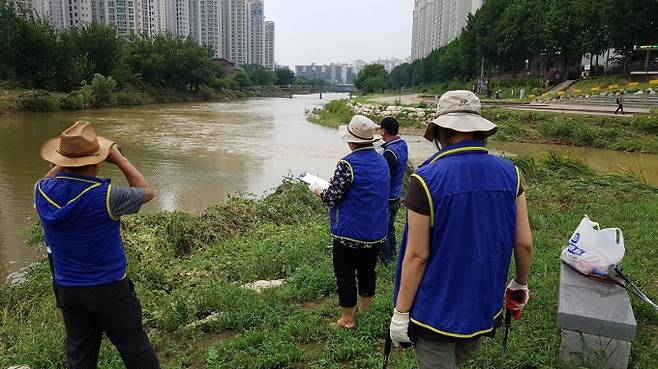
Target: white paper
x,y
309,178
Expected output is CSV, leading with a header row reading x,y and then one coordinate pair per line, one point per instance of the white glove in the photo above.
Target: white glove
x,y
399,329
313,186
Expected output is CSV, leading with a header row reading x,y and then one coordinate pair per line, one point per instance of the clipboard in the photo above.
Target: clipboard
x,y
309,178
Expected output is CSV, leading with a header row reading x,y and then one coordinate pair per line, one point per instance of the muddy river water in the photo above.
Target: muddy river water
x,y
196,154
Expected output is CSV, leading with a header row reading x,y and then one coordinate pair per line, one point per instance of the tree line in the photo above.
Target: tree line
x,y
36,55
507,35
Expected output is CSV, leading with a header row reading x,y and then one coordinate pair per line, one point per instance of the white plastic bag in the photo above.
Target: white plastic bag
x,y
593,250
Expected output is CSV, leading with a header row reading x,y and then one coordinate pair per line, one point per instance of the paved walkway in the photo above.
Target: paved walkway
x,y
573,109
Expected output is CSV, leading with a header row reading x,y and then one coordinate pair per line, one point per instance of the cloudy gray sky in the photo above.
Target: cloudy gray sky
x,y
340,30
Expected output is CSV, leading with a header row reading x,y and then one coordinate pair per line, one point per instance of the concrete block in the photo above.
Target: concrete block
x,y
594,307
581,349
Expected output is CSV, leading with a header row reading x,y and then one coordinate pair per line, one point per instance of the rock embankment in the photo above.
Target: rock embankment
x,y
419,114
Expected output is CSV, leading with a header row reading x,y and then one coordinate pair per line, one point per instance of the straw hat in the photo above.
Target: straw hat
x,y
76,147
460,111
361,130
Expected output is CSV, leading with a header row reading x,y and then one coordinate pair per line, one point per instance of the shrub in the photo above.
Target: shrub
x,y
132,97
78,99
103,91
206,93
38,101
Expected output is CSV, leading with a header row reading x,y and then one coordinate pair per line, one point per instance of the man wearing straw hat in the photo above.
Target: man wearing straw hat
x,y
80,214
466,216
358,200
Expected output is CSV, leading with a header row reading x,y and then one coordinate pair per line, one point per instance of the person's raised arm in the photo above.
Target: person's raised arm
x,y
133,176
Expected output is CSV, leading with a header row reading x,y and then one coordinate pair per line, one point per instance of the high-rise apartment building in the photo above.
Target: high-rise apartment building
x,y
268,45
178,17
125,16
70,13
205,23
32,8
234,31
153,20
437,22
336,73
255,32
99,11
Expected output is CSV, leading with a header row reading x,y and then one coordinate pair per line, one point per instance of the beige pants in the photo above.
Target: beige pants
x,y
439,355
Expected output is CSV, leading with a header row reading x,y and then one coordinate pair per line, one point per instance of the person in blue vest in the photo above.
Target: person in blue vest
x,y
358,200
466,216
81,217
396,154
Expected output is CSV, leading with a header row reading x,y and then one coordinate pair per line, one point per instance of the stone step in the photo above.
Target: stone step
x,y
594,307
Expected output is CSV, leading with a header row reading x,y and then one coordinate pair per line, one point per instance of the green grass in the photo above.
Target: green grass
x,y
636,134
188,267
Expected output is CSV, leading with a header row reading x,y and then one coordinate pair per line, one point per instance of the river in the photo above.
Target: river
x,y
196,154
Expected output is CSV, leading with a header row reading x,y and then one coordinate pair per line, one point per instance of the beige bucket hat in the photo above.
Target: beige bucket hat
x,y
77,146
361,130
460,111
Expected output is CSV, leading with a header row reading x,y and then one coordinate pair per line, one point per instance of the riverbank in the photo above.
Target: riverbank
x,y
41,101
632,134
188,269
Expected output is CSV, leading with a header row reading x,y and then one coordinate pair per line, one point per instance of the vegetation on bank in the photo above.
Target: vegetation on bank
x,y
128,70
634,134
188,269
42,101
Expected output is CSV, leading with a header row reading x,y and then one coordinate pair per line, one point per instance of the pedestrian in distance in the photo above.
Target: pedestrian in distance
x,y
620,104
81,217
466,217
396,154
358,201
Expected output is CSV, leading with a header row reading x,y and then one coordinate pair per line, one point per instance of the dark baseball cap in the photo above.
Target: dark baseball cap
x,y
391,125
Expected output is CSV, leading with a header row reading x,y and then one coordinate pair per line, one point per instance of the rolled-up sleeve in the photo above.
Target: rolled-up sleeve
x,y
126,200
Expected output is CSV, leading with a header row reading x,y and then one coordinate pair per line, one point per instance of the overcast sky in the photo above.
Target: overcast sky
x,y
340,30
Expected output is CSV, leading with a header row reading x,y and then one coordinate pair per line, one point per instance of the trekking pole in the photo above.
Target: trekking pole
x,y
516,296
636,291
387,348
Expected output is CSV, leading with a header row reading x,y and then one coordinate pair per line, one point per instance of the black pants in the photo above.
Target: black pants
x,y
114,310
389,249
351,265
620,107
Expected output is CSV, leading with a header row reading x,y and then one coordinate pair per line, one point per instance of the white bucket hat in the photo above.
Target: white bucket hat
x,y
361,130
460,111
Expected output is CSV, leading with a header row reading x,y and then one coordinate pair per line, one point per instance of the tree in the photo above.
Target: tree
x,y
241,78
373,77
259,75
283,76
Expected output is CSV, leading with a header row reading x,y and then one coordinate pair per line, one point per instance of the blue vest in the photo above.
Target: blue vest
x,y
362,214
399,148
83,236
473,217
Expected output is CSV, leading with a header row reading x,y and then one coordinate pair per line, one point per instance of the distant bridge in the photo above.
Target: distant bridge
x,y
302,90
